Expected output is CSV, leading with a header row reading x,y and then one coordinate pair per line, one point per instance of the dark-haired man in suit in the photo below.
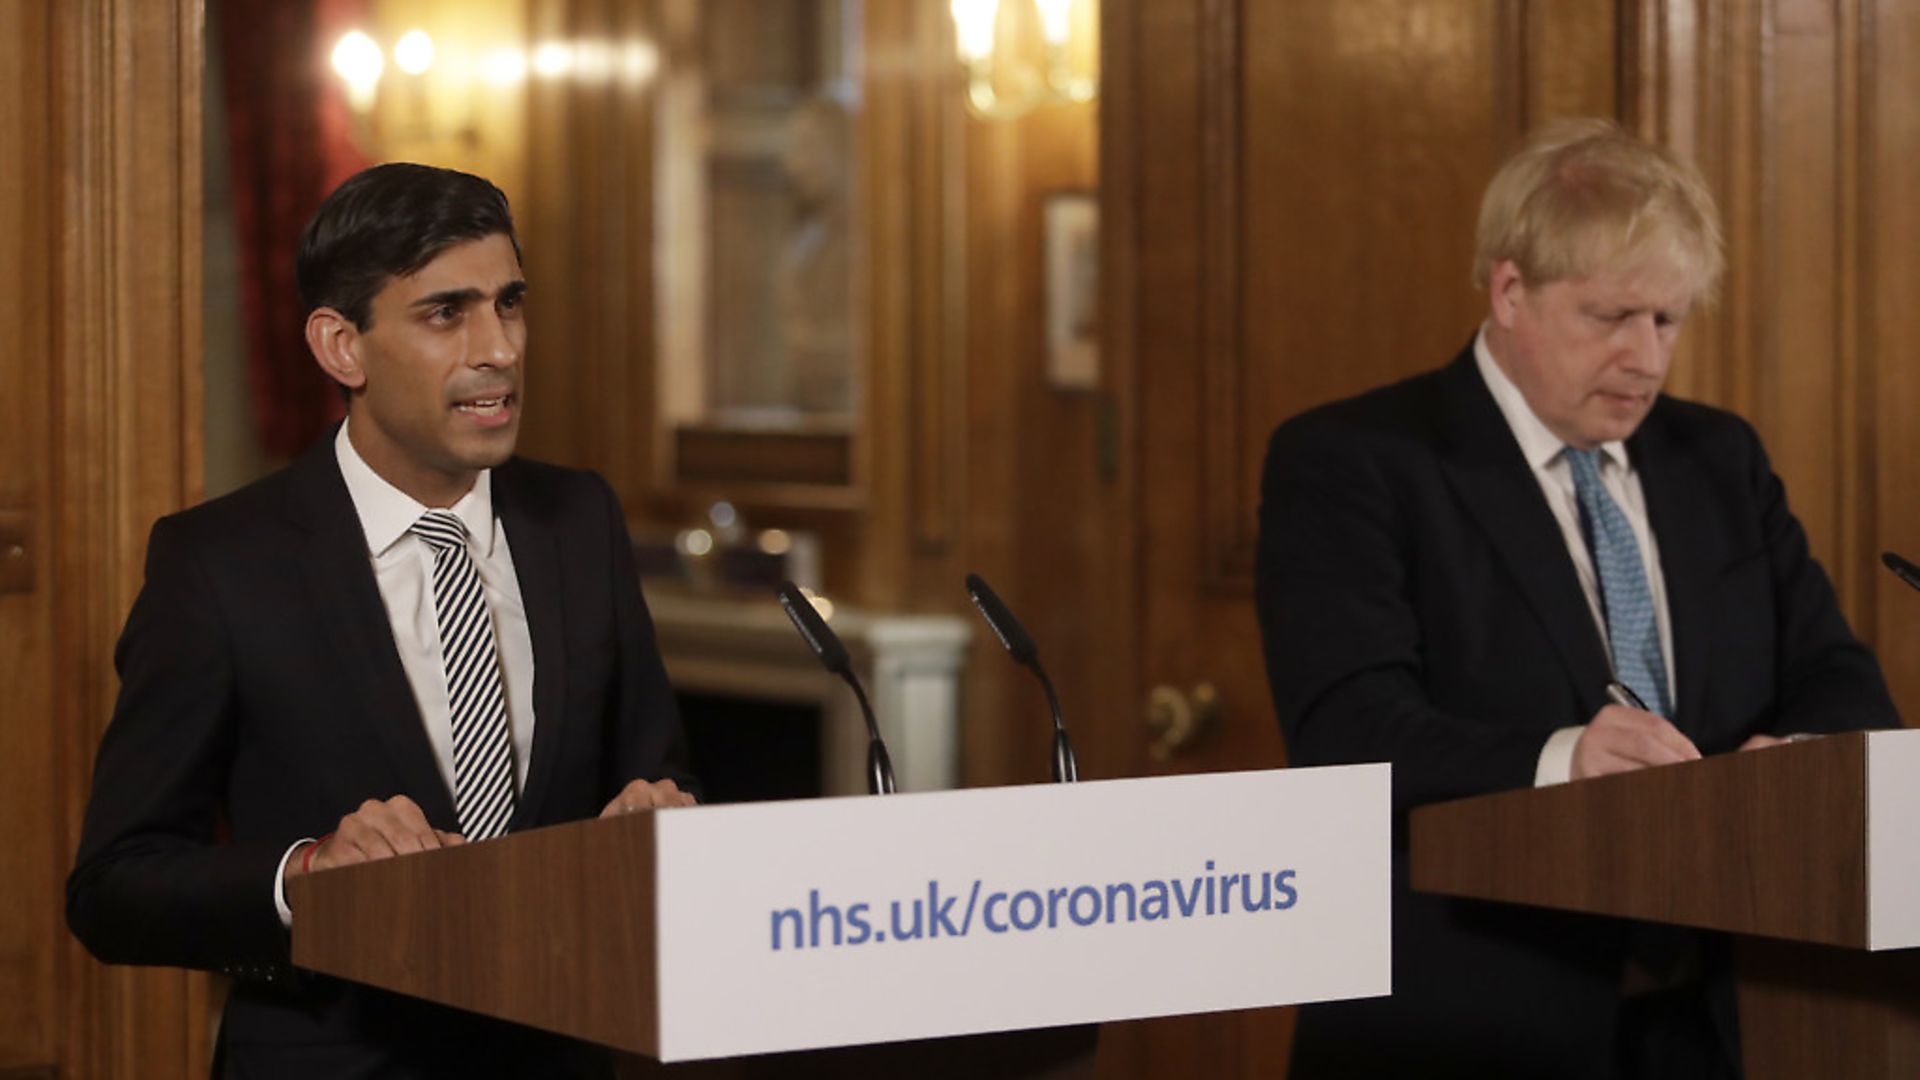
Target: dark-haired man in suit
x,y
407,639
1455,572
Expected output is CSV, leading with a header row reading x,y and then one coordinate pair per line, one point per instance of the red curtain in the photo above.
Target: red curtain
x,y
291,142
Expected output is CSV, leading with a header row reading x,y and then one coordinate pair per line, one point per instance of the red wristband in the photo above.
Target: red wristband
x,y
306,857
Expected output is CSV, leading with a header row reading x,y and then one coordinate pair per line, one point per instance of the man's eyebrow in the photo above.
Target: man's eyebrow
x,y
463,297
456,297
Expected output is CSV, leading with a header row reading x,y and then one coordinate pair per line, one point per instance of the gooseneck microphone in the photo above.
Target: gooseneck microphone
x,y
833,656
1014,636
1901,568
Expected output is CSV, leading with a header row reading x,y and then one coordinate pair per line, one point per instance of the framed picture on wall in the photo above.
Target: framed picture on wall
x,y
1071,248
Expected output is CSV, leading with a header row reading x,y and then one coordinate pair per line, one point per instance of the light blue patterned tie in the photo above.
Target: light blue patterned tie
x,y
1632,629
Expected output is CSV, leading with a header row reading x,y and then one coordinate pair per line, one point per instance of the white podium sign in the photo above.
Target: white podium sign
x,y
1893,859
845,921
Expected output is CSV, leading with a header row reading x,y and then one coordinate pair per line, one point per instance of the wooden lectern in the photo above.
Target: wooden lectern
x,y
955,933
1809,853
586,966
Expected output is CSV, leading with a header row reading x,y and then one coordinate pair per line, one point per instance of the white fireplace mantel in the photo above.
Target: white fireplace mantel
x,y
911,666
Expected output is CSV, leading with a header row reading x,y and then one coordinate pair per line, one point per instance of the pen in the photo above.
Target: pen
x,y
1618,693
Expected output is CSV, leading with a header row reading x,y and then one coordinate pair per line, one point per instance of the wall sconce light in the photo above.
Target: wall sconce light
x,y
413,53
358,61
1051,82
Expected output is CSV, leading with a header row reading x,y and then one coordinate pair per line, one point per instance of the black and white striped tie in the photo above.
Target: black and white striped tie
x,y
482,743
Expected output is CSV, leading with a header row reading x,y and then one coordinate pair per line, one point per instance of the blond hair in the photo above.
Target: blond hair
x,y
1583,194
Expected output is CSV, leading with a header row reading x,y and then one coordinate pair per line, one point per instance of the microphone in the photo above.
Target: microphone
x,y
1901,568
833,656
1014,636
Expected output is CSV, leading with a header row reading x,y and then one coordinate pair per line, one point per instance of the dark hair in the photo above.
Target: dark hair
x,y
389,221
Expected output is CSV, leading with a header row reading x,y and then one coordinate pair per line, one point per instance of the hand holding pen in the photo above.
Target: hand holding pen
x,y
1625,735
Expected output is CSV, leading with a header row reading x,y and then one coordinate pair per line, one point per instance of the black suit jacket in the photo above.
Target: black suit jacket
x,y
1418,605
262,698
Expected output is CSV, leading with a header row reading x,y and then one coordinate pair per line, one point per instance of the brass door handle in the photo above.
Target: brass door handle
x,y
1179,720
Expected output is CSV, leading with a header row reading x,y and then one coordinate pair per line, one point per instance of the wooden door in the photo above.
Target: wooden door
x,y
1289,197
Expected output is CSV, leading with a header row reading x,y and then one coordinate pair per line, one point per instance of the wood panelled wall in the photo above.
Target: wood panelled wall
x,y
587,226
1887,223
1036,513
29,800
1805,116
966,460
100,289
587,223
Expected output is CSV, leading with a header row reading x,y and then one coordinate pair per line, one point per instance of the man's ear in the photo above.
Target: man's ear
x,y
335,344
1505,291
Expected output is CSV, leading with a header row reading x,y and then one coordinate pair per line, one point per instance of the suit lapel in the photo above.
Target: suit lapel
x,y
536,563
1673,487
352,620
1484,464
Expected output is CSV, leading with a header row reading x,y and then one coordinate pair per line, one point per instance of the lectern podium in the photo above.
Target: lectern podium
x,y
721,931
1809,852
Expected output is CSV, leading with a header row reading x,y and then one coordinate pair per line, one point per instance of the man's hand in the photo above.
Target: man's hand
x,y
378,830
1761,742
1619,739
644,795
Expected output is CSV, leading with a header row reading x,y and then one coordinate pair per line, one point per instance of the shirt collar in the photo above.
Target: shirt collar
x,y
1539,444
386,512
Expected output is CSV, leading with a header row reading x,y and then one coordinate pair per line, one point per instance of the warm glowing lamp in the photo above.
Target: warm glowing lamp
x,y
358,62
973,25
552,60
413,53
1002,90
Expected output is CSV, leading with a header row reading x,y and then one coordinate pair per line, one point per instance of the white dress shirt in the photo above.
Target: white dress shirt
x,y
403,570
1542,450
